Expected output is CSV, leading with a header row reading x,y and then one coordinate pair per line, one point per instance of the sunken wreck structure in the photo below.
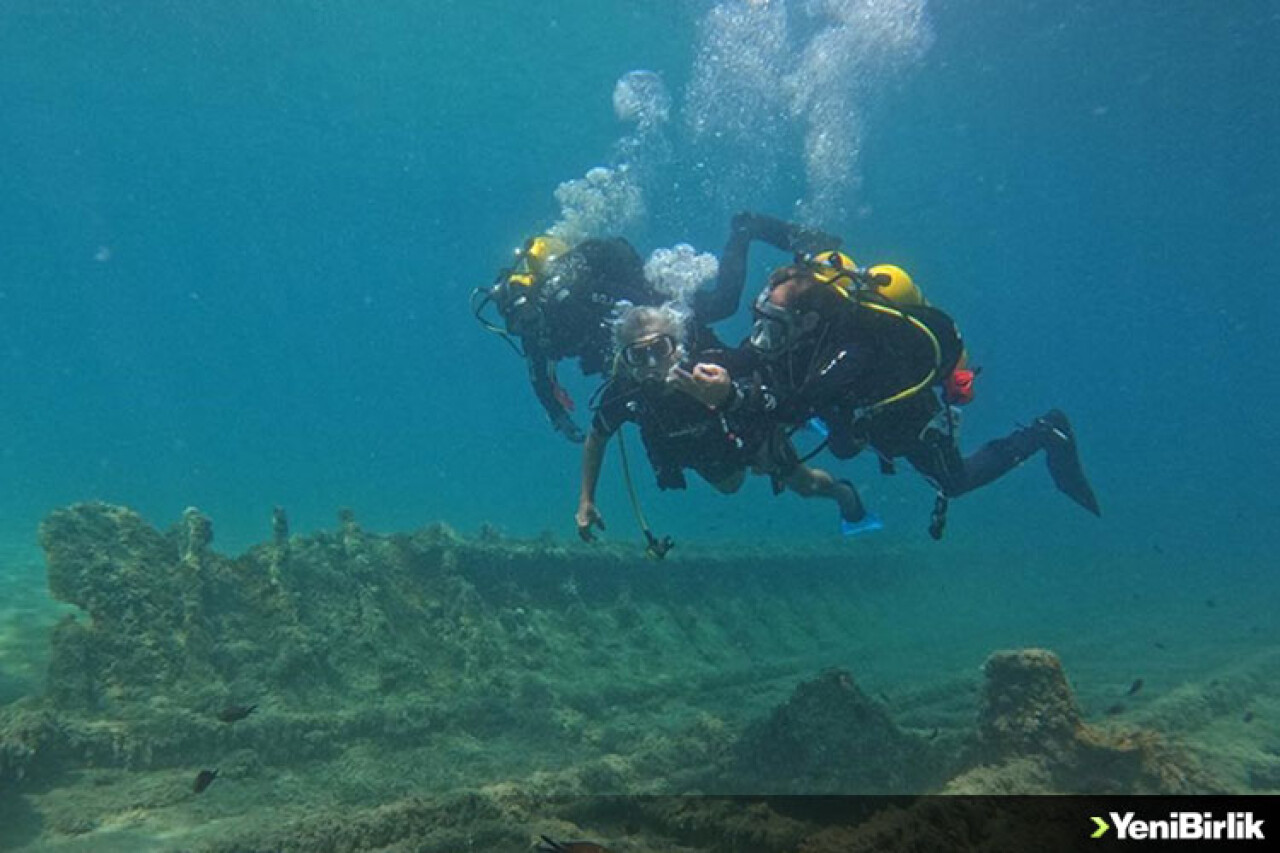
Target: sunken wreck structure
x,y
429,692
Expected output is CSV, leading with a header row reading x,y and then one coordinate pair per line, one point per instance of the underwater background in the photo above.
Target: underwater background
x,y
237,241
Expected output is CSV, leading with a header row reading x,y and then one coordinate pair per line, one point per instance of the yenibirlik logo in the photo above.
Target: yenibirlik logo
x,y
1183,826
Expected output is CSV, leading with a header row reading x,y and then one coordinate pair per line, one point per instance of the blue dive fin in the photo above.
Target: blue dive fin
x,y
869,523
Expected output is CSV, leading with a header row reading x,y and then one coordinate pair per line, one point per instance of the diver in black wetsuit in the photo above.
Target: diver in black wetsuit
x,y
652,386
884,373
556,302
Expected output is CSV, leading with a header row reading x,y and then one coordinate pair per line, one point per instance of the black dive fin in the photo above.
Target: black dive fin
x,y
1064,462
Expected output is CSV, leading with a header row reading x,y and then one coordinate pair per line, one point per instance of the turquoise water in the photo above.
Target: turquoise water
x,y
237,240
236,244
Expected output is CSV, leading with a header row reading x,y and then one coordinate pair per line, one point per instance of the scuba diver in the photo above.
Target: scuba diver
x,y
652,386
862,351
555,303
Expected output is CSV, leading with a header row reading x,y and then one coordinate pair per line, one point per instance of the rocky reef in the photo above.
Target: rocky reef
x,y
831,736
1030,725
428,691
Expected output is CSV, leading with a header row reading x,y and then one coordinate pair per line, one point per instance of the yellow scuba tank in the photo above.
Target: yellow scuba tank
x,y
894,284
895,287
532,259
540,251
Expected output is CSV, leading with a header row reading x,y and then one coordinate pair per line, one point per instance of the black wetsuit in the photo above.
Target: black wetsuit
x,y
581,289
864,357
678,431
712,306
576,299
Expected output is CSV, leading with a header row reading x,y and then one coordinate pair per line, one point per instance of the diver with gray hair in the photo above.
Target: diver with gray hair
x,y
556,301
657,383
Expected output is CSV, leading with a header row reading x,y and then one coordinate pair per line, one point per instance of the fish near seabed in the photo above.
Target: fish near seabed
x,y
203,780
234,713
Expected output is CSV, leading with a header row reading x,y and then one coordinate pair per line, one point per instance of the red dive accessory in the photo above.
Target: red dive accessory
x,y
958,388
561,395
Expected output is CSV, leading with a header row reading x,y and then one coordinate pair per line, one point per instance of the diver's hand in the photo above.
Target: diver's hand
x,y
787,236
566,427
709,384
587,517
811,241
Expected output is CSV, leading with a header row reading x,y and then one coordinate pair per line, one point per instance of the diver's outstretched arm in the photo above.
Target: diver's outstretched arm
x,y
542,378
713,306
786,236
587,515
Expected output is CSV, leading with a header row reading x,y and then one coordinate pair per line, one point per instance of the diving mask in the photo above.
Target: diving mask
x,y
775,328
514,293
650,356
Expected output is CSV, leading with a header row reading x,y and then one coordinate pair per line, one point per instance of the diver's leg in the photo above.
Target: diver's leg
x,y
778,458
726,484
938,458
816,483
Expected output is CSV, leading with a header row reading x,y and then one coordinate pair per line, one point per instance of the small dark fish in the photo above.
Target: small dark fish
x,y
933,735
1115,709
1210,603
1160,646
1248,717
232,713
549,846
1158,549
1135,687
203,780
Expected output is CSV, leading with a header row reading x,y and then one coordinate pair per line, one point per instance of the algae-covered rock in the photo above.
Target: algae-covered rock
x,y
830,737
1027,706
386,670
406,633
147,597
32,741
1029,711
428,825
1264,774
166,615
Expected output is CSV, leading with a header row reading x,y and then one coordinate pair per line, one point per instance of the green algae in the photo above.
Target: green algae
x,y
427,691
